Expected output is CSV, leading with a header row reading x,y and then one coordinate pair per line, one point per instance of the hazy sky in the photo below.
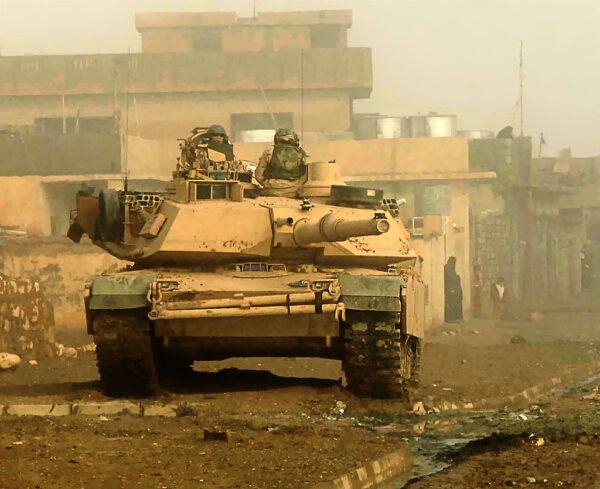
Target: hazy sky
x,y
450,56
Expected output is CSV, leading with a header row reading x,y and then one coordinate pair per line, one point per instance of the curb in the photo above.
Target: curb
x,y
108,408
526,396
394,467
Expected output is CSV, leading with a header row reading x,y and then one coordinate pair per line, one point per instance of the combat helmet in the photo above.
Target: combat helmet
x,y
216,130
286,136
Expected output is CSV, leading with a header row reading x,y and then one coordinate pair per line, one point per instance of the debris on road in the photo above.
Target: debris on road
x,y
9,361
594,396
419,409
518,340
218,435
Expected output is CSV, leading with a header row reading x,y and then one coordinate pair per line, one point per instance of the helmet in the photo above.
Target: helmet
x,y
216,130
284,135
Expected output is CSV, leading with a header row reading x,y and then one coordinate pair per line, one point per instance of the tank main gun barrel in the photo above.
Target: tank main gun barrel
x,y
331,228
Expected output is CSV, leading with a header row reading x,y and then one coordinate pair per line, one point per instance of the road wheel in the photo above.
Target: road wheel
x,y
124,353
378,360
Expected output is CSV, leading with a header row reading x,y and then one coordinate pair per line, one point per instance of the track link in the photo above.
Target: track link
x,y
124,353
378,359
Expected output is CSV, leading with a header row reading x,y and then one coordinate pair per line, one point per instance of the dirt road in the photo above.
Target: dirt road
x,y
292,423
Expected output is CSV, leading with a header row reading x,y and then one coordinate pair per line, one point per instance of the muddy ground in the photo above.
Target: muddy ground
x,y
292,423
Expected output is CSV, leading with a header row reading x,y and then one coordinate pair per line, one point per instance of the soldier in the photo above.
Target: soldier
x,y
283,166
218,141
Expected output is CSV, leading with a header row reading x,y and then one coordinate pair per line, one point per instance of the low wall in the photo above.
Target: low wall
x,y
63,267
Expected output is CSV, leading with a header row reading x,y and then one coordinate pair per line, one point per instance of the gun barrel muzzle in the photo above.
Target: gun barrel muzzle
x,y
330,228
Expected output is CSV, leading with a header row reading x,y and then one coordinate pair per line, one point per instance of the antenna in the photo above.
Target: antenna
x,y
301,96
125,142
264,96
521,78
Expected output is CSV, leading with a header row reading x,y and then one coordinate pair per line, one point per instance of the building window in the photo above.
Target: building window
x,y
259,126
324,36
206,39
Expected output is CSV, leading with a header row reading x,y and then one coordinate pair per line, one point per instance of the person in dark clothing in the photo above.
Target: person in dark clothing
x,y
453,294
505,133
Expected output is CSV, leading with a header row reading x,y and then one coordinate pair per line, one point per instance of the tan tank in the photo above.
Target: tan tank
x,y
221,271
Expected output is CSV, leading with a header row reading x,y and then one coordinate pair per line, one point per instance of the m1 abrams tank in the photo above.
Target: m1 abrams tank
x,y
220,271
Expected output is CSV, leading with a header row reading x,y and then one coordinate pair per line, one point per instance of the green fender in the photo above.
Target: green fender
x,y
126,291
371,292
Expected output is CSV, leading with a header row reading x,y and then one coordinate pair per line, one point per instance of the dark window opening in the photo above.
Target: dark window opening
x,y
76,125
211,191
206,39
202,192
219,192
324,36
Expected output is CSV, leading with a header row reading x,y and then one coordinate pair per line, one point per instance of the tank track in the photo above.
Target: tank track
x,y
124,353
378,359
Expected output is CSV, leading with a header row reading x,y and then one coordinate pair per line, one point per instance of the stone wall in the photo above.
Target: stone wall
x,y
65,266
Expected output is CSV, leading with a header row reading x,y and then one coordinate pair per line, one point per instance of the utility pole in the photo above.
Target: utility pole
x,y
521,78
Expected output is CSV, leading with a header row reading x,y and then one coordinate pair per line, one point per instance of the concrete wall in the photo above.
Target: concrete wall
x,y
314,69
174,115
29,154
174,31
23,203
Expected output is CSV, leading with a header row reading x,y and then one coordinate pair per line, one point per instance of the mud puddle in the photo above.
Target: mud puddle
x,y
446,440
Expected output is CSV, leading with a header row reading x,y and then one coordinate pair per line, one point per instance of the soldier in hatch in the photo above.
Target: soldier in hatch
x,y
218,141
281,169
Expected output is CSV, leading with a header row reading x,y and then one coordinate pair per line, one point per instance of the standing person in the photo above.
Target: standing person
x,y
477,291
453,294
498,296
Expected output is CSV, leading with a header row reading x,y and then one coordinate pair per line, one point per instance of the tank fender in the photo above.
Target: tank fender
x,y
371,292
120,291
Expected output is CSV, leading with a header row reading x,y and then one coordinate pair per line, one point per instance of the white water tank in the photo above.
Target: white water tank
x,y
432,125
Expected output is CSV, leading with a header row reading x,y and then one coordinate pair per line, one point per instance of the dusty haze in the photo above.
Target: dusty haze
x,y
457,57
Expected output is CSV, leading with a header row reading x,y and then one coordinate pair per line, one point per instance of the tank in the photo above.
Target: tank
x,y
219,270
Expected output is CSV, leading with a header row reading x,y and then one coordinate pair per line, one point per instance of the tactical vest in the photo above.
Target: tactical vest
x,y
287,163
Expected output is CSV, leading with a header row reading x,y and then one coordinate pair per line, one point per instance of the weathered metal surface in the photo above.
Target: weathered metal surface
x,y
126,291
371,293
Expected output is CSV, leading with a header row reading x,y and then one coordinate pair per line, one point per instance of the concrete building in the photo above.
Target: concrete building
x,y
292,69
534,224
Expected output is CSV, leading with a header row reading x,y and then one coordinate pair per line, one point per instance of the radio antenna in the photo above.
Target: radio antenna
x,y
125,138
521,79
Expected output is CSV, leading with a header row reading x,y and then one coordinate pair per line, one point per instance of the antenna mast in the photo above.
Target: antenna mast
x,y
301,96
125,141
521,78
